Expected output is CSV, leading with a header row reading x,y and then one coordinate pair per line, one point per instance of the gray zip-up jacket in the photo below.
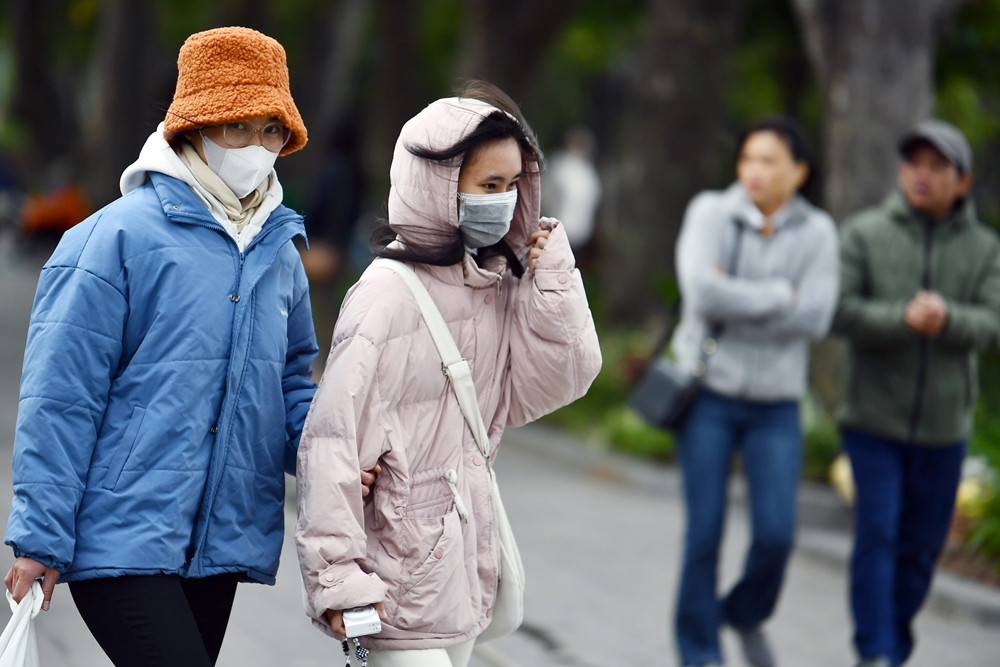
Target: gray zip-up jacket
x,y
781,295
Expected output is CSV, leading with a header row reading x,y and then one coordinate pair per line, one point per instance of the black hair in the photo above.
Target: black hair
x,y
790,132
447,248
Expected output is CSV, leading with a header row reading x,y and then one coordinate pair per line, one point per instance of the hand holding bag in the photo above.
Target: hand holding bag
x,y
508,608
665,392
18,643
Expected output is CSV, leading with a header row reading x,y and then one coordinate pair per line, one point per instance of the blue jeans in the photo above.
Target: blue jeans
x,y
905,502
770,439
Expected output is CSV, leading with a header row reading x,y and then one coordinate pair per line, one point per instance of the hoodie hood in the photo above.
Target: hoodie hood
x,y
158,156
423,195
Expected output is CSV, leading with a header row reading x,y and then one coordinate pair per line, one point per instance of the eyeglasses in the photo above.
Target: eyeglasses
x,y
273,136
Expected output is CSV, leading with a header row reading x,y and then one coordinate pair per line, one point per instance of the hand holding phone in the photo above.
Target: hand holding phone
x,y
360,621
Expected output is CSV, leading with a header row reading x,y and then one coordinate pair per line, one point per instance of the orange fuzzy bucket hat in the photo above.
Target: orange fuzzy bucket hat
x,y
230,74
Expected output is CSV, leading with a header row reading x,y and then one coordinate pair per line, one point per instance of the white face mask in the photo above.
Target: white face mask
x,y
242,169
485,219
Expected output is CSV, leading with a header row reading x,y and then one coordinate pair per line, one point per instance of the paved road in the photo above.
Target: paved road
x,y
600,539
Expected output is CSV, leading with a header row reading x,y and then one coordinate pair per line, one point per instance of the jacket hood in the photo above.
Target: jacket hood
x,y
423,194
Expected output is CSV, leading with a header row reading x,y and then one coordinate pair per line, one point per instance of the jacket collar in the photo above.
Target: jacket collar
x,y
738,201
899,209
466,273
182,206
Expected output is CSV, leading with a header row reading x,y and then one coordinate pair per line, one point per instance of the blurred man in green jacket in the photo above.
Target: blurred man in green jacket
x,y
920,298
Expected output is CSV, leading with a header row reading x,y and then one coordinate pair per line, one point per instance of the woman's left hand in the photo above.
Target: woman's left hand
x,y
537,241
368,479
335,617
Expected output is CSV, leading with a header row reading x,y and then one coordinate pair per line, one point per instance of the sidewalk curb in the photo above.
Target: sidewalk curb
x,y
950,593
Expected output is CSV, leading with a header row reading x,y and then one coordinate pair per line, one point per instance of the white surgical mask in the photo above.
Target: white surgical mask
x,y
242,169
485,219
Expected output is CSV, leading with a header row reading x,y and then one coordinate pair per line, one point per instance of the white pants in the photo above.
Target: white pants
x,y
453,656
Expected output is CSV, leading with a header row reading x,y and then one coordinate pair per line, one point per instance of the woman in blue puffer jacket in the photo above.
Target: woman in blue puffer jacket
x,y
167,371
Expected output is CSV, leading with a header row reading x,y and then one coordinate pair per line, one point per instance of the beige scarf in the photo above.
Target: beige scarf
x,y
239,211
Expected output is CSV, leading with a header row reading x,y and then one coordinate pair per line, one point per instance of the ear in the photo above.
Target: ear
x,y
964,184
801,174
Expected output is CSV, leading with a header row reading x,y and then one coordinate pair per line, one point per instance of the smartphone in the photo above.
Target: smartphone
x,y
360,621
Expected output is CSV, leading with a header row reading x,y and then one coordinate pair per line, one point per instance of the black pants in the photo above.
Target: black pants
x,y
148,621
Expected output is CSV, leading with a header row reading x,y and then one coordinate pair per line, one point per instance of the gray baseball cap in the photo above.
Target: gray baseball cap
x,y
943,136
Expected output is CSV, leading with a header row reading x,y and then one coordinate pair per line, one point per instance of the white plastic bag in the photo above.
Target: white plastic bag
x,y
18,643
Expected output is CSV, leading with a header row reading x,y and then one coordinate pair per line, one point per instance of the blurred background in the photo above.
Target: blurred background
x,y
642,101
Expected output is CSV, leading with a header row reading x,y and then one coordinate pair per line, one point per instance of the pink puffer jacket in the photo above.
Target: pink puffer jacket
x,y
383,398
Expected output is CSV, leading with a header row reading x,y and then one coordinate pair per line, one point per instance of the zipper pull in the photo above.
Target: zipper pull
x,y
499,285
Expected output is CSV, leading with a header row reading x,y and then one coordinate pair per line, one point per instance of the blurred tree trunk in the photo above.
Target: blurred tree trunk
x,y
40,102
670,145
503,41
393,87
119,112
874,62
322,84
339,41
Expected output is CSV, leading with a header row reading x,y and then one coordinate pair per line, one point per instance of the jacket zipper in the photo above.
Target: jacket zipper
x,y
200,531
924,344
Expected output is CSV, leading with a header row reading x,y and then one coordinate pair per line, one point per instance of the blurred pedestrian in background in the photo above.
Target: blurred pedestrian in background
x,y
464,214
571,190
757,267
167,371
920,299
332,216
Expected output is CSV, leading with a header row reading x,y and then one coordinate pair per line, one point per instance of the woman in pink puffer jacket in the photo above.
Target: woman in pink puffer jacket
x,y
515,304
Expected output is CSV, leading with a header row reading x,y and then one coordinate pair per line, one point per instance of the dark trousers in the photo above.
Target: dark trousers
x,y
905,502
769,438
149,621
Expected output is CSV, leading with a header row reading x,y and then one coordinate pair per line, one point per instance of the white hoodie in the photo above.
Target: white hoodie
x,y
159,156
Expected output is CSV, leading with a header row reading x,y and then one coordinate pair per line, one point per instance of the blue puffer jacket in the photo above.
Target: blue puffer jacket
x,y
166,379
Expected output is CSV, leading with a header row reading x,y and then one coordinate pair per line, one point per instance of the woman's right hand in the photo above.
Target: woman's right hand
x,y
24,572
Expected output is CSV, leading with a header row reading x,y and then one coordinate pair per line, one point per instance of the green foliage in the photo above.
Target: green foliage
x,y
591,45
966,102
439,33
968,92
984,537
821,442
771,74
985,533
602,414
626,432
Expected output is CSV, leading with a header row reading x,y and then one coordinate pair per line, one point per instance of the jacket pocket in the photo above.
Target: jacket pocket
x,y
436,596
429,496
125,448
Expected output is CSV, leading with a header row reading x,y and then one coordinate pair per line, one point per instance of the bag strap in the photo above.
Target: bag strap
x,y
709,344
453,365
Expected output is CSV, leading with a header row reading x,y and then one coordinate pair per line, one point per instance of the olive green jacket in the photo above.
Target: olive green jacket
x,y
898,384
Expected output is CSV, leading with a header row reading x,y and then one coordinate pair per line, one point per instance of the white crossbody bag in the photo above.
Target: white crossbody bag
x,y
508,609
